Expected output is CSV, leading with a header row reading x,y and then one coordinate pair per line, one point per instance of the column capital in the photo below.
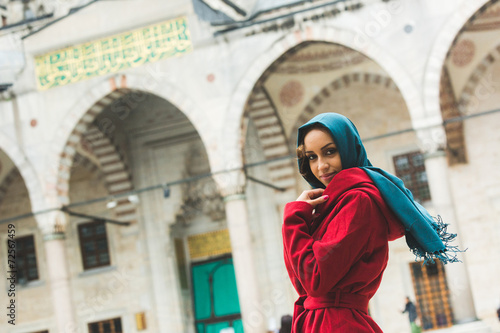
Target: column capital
x,y
434,154
231,184
432,140
54,236
52,224
235,196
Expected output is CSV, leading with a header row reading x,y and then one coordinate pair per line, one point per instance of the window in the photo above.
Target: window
x,y
106,326
26,259
431,291
411,169
93,244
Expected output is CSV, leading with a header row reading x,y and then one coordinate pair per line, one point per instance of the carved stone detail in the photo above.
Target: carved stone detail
x,y
432,140
200,196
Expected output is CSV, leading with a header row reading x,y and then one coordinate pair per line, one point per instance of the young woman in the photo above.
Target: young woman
x,y
336,235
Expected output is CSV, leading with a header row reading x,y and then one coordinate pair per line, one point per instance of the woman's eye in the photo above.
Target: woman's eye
x,y
310,157
331,151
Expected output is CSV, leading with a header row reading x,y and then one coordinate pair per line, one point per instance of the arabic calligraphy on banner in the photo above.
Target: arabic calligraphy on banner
x,y
113,54
209,244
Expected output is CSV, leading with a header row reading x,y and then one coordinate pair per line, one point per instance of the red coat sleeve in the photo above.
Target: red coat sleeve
x,y
320,264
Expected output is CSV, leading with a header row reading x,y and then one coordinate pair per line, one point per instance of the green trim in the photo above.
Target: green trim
x,y
437,153
54,236
232,197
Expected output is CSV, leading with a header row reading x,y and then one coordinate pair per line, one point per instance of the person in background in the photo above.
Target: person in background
x,y
412,315
286,324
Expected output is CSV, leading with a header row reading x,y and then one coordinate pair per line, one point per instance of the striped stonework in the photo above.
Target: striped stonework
x,y
271,135
340,83
85,162
272,57
114,169
486,18
455,141
442,45
469,96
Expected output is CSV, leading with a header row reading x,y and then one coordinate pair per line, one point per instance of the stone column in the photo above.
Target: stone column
x,y
457,276
232,187
52,226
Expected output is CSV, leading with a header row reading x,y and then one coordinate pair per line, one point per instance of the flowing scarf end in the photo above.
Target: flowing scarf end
x,y
448,254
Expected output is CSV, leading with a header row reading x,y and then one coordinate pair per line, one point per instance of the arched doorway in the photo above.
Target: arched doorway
x,y
470,101
24,259
136,181
318,76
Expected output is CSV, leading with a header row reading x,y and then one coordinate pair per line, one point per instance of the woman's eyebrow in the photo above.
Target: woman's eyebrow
x,y
331,143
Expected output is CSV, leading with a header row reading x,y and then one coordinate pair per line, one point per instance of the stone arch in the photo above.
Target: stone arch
x,y
440,50
272,138
87,163
340,83
98,142
451,104
232,131
467,95
477,88
117,175
85,110
27,172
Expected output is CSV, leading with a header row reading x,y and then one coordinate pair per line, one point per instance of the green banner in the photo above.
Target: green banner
x,y
113,54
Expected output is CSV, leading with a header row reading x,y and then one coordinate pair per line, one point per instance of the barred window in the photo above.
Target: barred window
x,y
410,168
433,297
93,244
26,266
106,326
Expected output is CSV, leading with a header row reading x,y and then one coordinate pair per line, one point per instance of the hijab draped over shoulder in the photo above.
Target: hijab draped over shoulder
x,y
426,236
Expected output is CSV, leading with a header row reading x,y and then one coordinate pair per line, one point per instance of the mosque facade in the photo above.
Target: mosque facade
x,y
147,151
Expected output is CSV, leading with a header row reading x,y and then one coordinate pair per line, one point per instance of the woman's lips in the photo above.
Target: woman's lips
x,y
327,176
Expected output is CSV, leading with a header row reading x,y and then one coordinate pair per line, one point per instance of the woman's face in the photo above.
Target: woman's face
x,y
322,154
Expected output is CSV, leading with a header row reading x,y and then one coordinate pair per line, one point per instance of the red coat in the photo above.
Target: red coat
x,y
336,257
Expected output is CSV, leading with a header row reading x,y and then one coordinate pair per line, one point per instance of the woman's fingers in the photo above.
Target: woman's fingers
x,y
319,200
313,194
310,194
313,197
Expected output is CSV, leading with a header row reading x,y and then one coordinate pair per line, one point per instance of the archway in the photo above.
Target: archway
x,y
22,243
121,151
470,90
17,158
232,130
308,78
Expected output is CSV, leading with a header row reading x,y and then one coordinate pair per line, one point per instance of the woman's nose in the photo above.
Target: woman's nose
x,y
322,164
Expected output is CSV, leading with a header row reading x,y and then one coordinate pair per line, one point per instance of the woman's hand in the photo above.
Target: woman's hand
x,y
313,197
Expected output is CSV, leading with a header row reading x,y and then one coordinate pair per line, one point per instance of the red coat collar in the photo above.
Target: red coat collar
x,y
344,181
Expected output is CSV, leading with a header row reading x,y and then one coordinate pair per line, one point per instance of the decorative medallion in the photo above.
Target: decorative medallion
x,y
291,93
463,53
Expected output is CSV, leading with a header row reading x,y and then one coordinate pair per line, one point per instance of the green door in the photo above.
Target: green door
x,y
215,297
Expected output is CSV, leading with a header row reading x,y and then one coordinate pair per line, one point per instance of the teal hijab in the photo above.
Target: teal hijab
x,y
426,237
